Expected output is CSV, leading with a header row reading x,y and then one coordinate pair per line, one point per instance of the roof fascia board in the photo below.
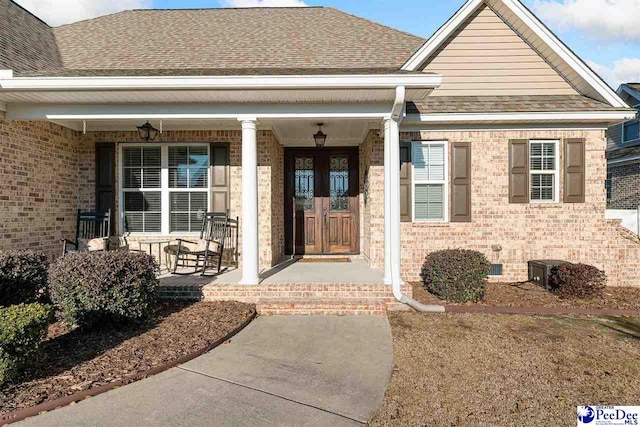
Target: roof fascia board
x,y
536,26
441,35
489,126
519,117
383,81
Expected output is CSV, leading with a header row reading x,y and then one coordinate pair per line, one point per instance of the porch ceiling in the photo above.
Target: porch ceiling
x,y
340,132
290,132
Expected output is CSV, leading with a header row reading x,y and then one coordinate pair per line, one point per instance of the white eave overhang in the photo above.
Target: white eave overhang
x,y
381,81
326,89
519,117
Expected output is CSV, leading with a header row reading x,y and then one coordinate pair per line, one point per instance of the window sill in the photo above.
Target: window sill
x,y
631,142
543,205
434,224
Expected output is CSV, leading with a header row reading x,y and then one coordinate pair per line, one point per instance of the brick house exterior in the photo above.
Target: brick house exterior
x,y
412,98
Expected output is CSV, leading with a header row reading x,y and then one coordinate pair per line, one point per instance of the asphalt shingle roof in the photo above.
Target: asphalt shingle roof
x,y
26,42
507,104
305,38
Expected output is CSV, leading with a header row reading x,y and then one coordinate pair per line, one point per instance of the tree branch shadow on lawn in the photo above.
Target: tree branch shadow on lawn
x,y
626,326
61,353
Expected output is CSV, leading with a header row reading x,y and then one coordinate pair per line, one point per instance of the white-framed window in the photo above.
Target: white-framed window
x,y
544,171
142,189
164,188
429,177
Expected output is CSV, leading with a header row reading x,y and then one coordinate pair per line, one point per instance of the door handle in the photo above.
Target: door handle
x,y
324,215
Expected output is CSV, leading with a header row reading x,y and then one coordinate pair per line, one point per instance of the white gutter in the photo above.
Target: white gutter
x,y
394,199
363,81
519,117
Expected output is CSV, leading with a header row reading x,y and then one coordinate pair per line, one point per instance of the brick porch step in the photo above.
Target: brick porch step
x,y
322,307
290,299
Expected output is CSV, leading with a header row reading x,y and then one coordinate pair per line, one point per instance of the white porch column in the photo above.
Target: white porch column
x,y
387,204
394,201
250,262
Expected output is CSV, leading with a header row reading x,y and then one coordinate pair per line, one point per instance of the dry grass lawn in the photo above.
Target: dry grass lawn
x,y
500,370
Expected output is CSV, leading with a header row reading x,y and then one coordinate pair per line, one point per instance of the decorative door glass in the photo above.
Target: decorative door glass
x,y
304,184
339,183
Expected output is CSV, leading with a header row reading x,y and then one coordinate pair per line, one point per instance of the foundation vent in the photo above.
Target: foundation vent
x,y
496,270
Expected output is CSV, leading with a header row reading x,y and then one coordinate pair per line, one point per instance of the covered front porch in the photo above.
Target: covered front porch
x,y
222,147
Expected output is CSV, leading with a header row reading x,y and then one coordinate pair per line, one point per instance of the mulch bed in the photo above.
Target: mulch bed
x,y
528,295
491,370
76,360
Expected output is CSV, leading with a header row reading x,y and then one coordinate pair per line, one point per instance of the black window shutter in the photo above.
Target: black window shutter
x,y
105,179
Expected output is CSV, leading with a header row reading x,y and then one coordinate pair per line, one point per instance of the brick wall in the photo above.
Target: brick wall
x,y
277,199
625,186
41,177
574,232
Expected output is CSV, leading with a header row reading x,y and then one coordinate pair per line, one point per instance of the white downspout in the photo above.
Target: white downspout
x,y
393,196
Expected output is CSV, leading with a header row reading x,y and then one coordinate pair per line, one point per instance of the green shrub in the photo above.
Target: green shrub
x,y
456,274
89,288
23,277
22,329
577,281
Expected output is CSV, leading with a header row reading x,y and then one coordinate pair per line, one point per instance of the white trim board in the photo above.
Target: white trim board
x,y
538,28
195,111
500,127
375,81
517,117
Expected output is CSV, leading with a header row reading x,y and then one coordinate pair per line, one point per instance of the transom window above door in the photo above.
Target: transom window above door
x,y
165,187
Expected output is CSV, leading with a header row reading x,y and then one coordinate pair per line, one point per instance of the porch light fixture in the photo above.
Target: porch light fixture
x,y
147,132
320,137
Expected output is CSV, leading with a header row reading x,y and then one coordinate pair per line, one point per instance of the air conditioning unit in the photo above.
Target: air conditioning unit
x,y
540,271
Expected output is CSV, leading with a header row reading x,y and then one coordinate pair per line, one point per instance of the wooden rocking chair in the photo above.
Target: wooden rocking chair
x,y
210,247
93,231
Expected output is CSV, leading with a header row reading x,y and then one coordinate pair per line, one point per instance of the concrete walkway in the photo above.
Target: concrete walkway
x,y
302,371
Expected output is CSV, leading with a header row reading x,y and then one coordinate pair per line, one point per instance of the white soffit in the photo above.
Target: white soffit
x,y
537,35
